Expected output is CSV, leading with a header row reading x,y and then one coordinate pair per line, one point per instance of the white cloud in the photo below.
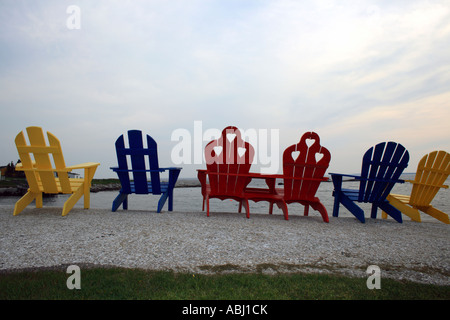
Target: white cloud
x,y
343,69
417,125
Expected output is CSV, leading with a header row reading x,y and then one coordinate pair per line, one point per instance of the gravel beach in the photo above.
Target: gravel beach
x,y
224,242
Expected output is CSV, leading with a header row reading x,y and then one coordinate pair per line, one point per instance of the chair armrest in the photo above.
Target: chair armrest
x,y
305,179
115,169
204,173
158,170
85,165
171,168
345,175
366,179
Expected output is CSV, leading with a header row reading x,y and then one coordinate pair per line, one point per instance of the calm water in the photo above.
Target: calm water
x,y
190,200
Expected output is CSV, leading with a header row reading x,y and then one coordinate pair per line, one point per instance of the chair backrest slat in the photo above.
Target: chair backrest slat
x,y
304,165
122,173
43,163
381,168
154,164
228,156
432,171
60,164
27,163
41,175
138,161
138,154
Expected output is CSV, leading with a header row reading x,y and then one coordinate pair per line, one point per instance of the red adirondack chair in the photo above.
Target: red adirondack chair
x,y
303,175
228,161
304,166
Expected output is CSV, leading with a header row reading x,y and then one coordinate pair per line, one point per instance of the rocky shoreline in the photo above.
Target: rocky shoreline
x,y
116,186
21,189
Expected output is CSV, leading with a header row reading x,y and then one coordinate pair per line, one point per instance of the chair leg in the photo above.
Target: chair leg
x,y
88,176
171,200
437,214
72,200
125,203
390,210
318,206
23,202
39,200
121,198
337,183
162,201
336,207
373,213
352,207
247,208
87,198
411,212
306,211
283,206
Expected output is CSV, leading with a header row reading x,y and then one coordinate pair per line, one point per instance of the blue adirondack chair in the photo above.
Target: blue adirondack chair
x,y
382,166
140,179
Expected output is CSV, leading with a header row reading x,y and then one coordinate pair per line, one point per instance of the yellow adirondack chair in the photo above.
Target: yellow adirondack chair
x,y
42,177
432,171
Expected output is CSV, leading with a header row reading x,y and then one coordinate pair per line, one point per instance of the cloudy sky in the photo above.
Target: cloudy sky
x,y
356,72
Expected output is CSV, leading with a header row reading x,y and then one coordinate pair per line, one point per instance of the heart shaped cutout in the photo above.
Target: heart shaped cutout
x,y
218,150
231,136
241,151
295,155
310,142
319,156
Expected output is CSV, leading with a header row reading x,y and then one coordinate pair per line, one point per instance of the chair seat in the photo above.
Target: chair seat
x,y
163,185
401,197
75,183
353,194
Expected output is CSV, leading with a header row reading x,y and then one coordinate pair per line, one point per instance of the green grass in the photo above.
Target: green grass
x,y
104,181
12,182
135,284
